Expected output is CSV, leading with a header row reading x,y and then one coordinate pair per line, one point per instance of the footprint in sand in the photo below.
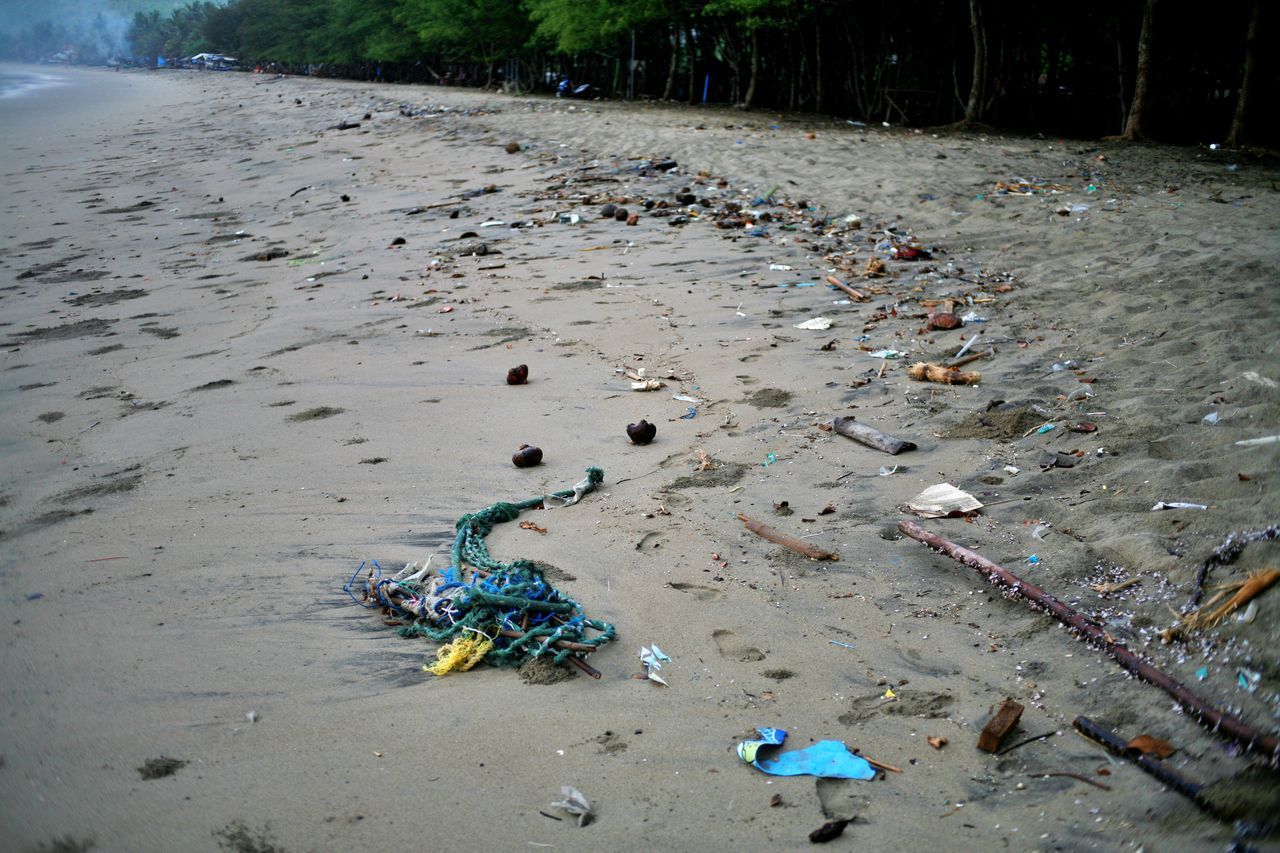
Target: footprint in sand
x,y
731,648
840,800
702,593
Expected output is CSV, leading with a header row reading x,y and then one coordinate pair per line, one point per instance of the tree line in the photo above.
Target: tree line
x,y
1161,69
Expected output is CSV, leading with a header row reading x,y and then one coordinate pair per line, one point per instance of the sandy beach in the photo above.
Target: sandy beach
x,y
246,350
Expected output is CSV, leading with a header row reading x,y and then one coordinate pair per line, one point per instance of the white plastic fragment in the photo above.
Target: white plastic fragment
x,y
1258,442
1176,505
575,803
817,324
942,500
652,658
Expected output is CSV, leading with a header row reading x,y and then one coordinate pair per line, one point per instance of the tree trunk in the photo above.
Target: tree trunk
x,y
1133,125
755,71
1236,136
692,52
817,66
977,90
672,65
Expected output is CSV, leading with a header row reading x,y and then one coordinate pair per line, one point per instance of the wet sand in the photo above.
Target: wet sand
x,y
229,376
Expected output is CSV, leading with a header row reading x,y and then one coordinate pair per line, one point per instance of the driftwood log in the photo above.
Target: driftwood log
x,y
863,434
1216,720
764,531
1157,768
855,294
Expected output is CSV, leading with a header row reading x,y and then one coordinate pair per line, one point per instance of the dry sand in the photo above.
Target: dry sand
x,y
199,447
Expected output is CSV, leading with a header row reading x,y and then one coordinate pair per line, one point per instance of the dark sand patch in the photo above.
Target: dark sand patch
x,y
158,768
75,275
578,285
51,417
373,460
41,269
65,844
109,297
544,671
104,350
65,332
31,386
112,486
768,398
724,474
1005,421
163,332
318,413
133,208
238,838
215,384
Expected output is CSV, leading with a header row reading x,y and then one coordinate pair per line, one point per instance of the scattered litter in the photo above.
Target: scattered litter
x,y
252,716
689,415
840,644
648,385
1005,718
929,372
685,398
491,223
1040,531
780,267
1081,392
1258,442
972,317
769,459
653,657
886,472
1255,377
1176,505
1211,418
817,324
886,353
943,501
1033,560
1202,673
1245,593
936,742
1011,470
1150,745
575,804
871,437
827,759
1248,679
1041,430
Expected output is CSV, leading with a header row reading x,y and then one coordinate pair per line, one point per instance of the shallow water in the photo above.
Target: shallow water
x,y
18,84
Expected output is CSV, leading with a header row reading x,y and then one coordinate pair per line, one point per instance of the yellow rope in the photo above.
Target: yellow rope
x,y
460,655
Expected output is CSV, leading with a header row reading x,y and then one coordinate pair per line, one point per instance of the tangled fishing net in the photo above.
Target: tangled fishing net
x,y
503,614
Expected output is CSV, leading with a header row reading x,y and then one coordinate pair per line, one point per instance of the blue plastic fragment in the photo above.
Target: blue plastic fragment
x,y
827,759
1202,673
690,415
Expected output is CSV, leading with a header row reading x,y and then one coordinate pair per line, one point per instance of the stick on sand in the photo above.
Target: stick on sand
x,y
1214,719
766,532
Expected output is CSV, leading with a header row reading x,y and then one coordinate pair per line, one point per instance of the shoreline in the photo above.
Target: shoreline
x,y
237,525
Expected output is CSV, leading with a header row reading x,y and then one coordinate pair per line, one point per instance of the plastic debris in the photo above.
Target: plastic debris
x,y
886,471
840,644
575,804
1202,673
943,500
653,657
827,759
817,324
1258,442
1176,505
1211,418
780,267
769,459
689,415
